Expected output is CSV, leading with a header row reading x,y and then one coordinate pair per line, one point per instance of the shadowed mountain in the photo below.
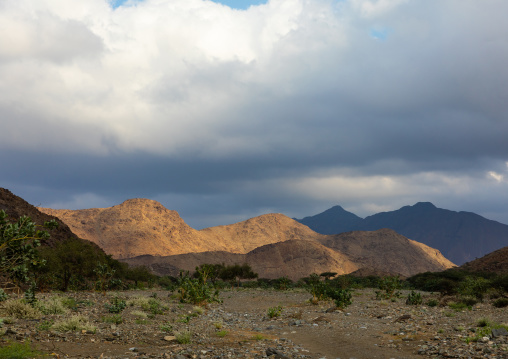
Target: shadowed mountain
x,y
332,221
16,207
496,262
382,252
460,236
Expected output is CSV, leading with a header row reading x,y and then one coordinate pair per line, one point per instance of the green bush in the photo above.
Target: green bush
x,y
432,303
117,305
389,286
341,297
3,296
274,312
197,291
414,298
500,303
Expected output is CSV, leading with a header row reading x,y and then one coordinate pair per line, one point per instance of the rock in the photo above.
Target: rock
x,y
496,333
170,338
402,318
276,353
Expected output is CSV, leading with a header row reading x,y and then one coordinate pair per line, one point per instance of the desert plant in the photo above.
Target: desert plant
x,y
74,323
45,325
196,291
258,337
139,314
115,319
500,303
168,328
19,351
52,305
274,312
183,337
3,296
117,305
19,259
473,287
432,303
18,308
222,333
154,307
341,297
389,286
414,298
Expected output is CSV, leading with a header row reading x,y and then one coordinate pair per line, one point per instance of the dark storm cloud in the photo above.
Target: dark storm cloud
x,y
292,106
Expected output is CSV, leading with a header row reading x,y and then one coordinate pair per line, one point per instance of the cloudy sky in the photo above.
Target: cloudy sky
x,y
226,110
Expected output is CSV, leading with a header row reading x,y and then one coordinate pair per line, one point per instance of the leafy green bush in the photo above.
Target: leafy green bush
x,y
117,305
197,291
341,297
414,298
389,286
115,319
274,312
432,303
183,337
474,287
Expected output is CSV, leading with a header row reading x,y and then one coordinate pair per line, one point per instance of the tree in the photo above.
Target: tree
x,y
19,240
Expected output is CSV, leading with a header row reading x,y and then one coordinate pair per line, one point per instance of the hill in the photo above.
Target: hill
x,y
142,226
381,252
495,262
460,236
273,244
16,207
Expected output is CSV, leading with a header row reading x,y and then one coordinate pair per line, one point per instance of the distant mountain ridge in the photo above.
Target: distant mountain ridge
x,y
460,236
142,231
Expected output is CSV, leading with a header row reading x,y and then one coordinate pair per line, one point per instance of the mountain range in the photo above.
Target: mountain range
x,y
141,231
460,236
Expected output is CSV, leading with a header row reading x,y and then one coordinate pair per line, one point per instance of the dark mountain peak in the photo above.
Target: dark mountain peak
x,y
424,205
332,221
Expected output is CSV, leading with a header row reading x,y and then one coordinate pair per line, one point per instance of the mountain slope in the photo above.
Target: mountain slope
x,y
332,221
141,226
460,236
383,251
16,207
496,262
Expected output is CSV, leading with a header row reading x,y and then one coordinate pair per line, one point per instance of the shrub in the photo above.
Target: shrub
x,y
3,295
52,305
414,298
18,308
341,297
388,285
183,337
18,351
74,323
117,305
115,319
473,287
154,307
432,303
500,303
168,328
196,291
274,312
222,333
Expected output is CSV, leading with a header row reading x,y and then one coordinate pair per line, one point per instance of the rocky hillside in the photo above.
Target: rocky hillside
x,y
460,236
273,244
16,207
496,262
379,252
142,226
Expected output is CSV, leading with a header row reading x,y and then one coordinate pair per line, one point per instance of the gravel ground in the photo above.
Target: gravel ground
x,y
241,328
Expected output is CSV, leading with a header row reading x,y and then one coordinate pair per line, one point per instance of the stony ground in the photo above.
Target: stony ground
x,y
240,327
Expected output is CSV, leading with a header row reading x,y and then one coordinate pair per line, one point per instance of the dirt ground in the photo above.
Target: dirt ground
x,y
240,327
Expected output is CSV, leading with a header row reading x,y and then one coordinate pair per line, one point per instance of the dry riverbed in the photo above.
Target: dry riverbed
x,y
240,327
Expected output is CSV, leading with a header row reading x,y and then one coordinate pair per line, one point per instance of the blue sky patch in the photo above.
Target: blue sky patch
x,y
234,4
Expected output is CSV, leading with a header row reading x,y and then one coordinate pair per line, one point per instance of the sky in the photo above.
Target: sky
x,y
226,111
